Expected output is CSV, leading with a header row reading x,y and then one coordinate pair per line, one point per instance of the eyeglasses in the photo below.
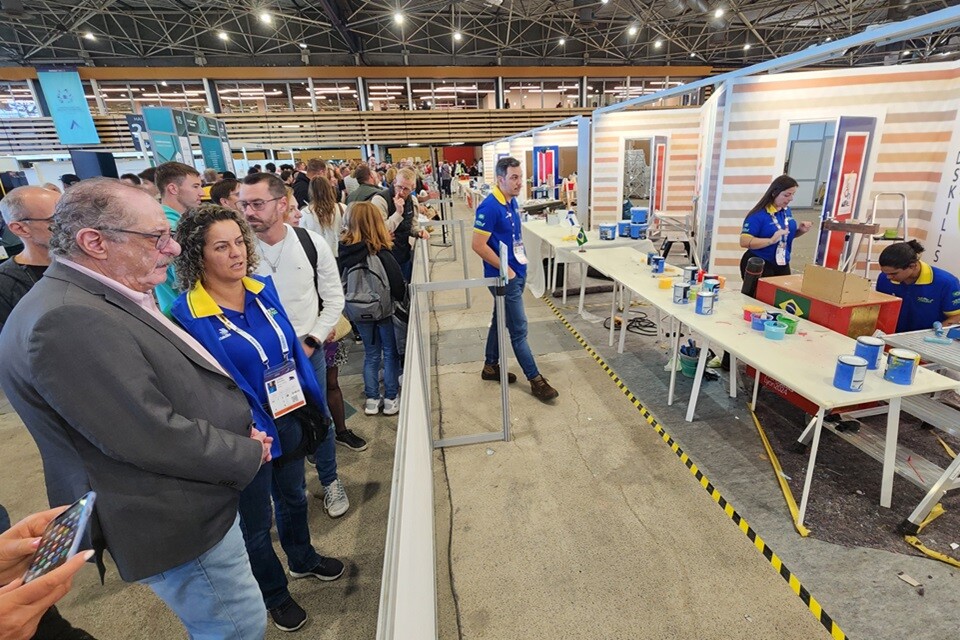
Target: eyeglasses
x,y
256,205
400,187
163,238
49,220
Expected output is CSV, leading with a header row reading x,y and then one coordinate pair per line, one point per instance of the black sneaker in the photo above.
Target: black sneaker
x,y
351,440
289,616
327,569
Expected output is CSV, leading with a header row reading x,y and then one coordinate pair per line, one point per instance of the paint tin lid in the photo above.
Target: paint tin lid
x,y
870,340
855,361
906,354
706,294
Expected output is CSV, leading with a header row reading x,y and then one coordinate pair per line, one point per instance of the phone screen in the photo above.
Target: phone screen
x,y
61,539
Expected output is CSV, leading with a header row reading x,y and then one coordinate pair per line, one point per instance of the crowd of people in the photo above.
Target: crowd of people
x,y
216,313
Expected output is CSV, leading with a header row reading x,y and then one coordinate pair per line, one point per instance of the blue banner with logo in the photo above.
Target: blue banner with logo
x,y
63,91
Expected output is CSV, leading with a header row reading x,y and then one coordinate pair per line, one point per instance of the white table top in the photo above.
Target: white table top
x,y
804,362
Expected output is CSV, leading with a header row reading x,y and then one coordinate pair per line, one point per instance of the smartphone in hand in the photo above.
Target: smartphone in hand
x,y
61,539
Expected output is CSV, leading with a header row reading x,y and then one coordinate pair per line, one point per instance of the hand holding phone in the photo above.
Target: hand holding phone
x,y
22,605
61,538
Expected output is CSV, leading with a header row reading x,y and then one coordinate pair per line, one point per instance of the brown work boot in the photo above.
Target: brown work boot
x,y
492,372
541,390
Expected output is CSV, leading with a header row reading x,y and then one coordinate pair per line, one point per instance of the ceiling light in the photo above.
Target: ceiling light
x,y
829,38
163,83
89,36
457,36
746,47
562,41
303,45
693,54
266,17
604,1
632,30
223,35
398,17
658,43
718,13
907,52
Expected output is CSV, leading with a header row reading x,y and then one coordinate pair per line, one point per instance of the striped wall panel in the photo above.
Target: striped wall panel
x,y
682,128
915,109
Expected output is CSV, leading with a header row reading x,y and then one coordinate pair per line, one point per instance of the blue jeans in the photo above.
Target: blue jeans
x,y
215,596
516,321
326,454
380,346
287,486
4,519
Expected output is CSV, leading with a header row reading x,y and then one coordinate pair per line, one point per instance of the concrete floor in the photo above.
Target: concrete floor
x,y
584,525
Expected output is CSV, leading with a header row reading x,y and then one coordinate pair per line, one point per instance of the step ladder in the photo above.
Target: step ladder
x,y
902,230
857,231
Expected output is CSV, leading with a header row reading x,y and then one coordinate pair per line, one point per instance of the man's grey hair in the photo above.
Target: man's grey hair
x,y
13,207
506,163
96,203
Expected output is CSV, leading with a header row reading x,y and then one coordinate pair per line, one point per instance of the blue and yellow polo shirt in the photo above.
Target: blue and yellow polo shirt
x,y
763,224
932,298
499,220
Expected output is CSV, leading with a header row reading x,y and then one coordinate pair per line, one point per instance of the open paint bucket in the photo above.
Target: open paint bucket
x,y
749,310
665,283
790,321
871,350
850,373
901,366
774,330
757,321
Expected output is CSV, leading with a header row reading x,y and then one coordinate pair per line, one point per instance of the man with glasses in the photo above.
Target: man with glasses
x,y
122,401
403,218
28,213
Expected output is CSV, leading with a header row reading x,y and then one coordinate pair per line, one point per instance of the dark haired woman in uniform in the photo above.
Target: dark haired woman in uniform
x,y
929,294
770,228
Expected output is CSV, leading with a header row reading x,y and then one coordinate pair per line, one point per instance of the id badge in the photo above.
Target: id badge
x,y
781,254
519,252
3,253
283,389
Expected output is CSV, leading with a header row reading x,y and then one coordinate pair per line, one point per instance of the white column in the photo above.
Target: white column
x,y
101,105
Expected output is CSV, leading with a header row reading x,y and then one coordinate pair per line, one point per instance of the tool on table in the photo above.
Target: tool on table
x,y
938,336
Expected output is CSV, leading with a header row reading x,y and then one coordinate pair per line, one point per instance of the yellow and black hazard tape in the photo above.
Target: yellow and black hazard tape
x,y
829,624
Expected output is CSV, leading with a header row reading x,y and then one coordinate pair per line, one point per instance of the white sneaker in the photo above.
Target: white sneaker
x,y
335,499
391,407
372,406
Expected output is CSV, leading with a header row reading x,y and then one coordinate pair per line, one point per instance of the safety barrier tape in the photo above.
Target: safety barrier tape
x,y
784,487
828,623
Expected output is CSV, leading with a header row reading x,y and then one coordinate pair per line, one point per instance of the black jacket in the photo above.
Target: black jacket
x,y
404,231
15,281
353,254
301,189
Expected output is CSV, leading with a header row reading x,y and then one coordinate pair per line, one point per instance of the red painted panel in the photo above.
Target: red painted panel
x,y
853,160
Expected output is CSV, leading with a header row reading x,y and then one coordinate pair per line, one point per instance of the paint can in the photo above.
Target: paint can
x,y
705,301
714,286
623,229
850,373
638,231
901,366
871,350
650,256
681,290
690,274
608,232
639,215
658,264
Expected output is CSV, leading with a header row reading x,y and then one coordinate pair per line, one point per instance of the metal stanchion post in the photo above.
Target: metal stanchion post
x,y
501,292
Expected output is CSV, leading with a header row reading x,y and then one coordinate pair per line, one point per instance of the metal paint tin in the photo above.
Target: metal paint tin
x,y
901,366
680,292
705,300
871,350
650,256
690,274
658,263
850,373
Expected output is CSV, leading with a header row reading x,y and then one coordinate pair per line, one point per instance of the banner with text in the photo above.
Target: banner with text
x,y
64,95
944,237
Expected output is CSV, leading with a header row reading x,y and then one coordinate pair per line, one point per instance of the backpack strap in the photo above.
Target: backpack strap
x,y
311,250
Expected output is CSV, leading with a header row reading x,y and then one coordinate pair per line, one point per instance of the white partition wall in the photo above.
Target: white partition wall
x,y
489,162
518,149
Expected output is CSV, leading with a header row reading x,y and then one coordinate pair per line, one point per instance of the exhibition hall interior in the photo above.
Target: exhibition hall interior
x,y
416,319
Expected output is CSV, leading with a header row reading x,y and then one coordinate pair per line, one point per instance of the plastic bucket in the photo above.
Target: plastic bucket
x,y
774,330
639,215
871,350
608,232
748,312
850,373
623,229
688,365
791,323
664,283
901,366
638,231
757,321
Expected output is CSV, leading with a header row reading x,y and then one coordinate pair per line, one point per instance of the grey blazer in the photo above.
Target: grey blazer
x,y
117,403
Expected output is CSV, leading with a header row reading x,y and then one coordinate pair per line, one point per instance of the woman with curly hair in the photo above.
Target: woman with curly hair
x,y
238,317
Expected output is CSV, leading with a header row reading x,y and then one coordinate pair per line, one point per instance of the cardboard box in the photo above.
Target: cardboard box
x,y
834,286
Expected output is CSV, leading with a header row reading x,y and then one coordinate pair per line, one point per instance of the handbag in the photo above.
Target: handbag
x,y
343,328
314,425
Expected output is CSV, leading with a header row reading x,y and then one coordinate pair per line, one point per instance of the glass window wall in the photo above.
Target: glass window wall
x,y
541,94
453,94
387,95
331,95
16,101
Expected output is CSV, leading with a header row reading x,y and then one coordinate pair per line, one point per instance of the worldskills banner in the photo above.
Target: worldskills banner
x,y
944,236
68,107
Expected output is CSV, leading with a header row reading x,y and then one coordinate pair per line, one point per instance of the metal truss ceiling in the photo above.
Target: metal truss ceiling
x,y
425,32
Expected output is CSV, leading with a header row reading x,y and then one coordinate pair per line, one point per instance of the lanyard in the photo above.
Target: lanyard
x,y
253,341
776,221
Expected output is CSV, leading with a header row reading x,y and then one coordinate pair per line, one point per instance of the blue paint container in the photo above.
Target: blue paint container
x,y
681,290
638,231
638,215
705,301
623,229
850,373
901,366
871,350
757,321
657,264
608,231
650,256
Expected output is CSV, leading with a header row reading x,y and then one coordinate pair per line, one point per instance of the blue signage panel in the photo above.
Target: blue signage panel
x,y
212,150
68,107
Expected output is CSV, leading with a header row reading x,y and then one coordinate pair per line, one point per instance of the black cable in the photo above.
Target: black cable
x,y
641,325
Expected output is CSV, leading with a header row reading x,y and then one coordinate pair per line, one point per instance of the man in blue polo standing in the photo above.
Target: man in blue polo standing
x,y
498,220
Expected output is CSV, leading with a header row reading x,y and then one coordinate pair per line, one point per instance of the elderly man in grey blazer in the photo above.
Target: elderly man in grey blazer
x,y
121,400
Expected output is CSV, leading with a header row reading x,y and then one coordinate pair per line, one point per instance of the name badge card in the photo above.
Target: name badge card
x,y
283,389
